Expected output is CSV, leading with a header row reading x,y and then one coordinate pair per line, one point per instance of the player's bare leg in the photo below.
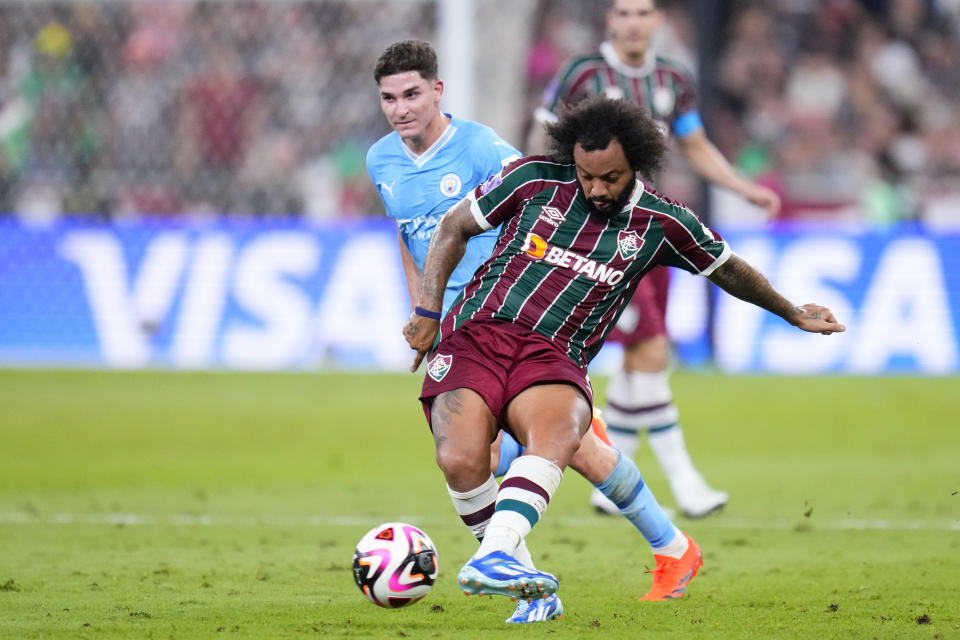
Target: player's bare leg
x,y
503,451
463,427
550,420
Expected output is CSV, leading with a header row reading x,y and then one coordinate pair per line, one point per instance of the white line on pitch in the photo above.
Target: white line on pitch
x,y
206,520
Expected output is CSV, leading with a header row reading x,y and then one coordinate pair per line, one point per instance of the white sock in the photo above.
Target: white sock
x,y
637,400
676,547
522,554
524,494
476,506
671,451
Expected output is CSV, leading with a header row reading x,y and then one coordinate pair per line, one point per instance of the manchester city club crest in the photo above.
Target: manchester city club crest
x,y
628,244
450,185
439,366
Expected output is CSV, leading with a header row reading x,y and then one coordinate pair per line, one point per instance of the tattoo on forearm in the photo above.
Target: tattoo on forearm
x,y
443,255
739,279
447,246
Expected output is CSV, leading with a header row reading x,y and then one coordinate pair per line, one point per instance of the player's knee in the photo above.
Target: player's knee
x,y
594,460
650,355
570,441
558,443
462,466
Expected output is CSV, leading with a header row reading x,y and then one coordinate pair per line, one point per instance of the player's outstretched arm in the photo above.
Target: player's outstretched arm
x,y
707,160
447,246
741,280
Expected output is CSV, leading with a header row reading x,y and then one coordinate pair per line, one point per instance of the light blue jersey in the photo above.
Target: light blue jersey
x,y
417,190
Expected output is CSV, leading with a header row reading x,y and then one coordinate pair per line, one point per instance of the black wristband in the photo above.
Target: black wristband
x,y
426,313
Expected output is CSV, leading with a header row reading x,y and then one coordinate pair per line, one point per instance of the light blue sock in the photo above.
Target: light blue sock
x,y
510,450
625,487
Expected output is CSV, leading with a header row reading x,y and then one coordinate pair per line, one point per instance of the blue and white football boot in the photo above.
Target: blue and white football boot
x,y
499,574
549,608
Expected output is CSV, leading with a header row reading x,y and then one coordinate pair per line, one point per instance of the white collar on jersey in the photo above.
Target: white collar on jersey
x,y
432,150
638,189
610,56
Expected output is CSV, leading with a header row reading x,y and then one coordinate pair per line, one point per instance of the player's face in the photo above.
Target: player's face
x,y
411,104
631,24
605,177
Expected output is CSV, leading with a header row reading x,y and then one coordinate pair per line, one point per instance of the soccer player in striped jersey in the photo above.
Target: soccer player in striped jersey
x,y
421,169
639,395
578,232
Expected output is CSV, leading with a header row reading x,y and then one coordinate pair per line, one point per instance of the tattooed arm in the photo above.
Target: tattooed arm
x,y
447,246
741,280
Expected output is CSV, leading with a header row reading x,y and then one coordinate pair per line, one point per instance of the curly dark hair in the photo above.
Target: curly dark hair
x,y
409,55
595,122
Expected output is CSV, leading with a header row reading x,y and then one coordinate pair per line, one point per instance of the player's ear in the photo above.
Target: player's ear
x,y
438,88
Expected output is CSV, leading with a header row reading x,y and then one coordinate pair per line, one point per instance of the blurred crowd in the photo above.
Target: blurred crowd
x,y
848,108
121,108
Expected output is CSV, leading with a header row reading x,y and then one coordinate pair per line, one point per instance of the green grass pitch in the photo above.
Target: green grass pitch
x,y
189,505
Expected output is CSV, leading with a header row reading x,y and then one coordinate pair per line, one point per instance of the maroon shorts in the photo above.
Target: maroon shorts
x,y
498,360
646,314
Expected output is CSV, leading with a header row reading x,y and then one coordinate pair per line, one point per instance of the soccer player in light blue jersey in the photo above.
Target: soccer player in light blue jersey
x,y
427,164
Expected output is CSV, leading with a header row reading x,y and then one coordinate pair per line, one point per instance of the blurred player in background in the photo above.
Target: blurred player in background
x,y
579,231
421,169
639,395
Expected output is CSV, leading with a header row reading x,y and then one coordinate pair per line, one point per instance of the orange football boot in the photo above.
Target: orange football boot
x,y
672,575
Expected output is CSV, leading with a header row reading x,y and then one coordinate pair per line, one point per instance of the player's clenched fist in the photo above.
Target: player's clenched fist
x,y
420,333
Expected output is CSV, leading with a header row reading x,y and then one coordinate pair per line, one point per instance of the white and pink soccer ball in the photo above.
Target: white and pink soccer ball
x,y
395,564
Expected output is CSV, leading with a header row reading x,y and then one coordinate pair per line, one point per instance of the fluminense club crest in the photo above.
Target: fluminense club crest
x,y
439,366
629,243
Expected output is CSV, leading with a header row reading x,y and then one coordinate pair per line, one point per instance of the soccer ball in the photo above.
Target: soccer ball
x,y
395,564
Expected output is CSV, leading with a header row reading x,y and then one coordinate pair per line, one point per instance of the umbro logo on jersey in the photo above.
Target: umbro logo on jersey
x,y
439,366
552,216
628,244
541,250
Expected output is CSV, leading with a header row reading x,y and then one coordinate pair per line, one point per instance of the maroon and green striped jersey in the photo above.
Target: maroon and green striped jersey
x,y
662,85
565,271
